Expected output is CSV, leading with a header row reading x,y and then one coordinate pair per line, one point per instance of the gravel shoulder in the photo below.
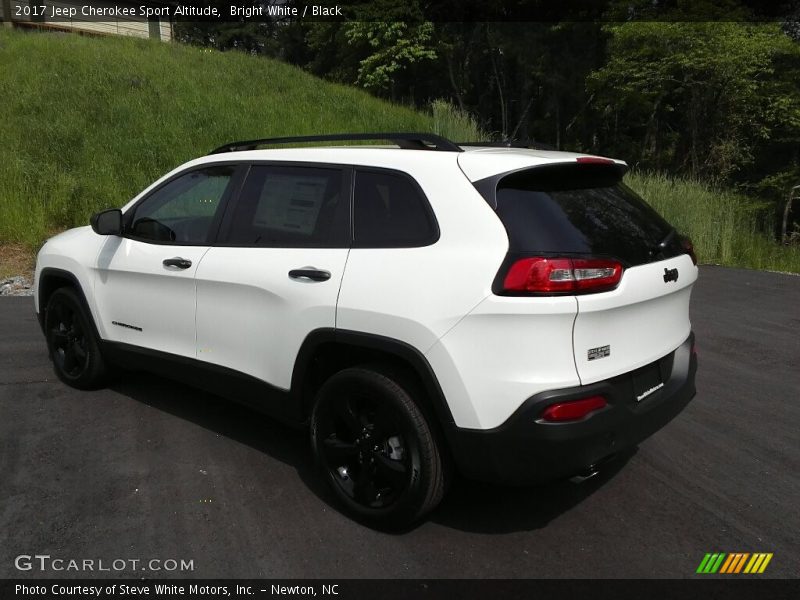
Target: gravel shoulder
x,y
16,286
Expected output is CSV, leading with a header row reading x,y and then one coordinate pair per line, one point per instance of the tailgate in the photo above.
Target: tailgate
x,y
643,319
559,214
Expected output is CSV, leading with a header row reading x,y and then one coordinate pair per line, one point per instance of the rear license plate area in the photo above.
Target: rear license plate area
x,y
647,381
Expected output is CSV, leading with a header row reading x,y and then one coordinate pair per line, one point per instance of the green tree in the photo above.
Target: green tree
x,y
254,36
690,96
394,46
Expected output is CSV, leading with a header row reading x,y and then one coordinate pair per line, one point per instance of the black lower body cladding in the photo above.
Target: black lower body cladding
x,y
526,450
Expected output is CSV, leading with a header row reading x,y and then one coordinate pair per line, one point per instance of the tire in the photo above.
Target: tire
x,y
71,342
375,448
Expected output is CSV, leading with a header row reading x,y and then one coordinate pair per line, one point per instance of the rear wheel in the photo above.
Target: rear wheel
x,y
71,342
376,449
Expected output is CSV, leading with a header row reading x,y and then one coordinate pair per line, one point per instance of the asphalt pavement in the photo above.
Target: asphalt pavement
x,y
151,469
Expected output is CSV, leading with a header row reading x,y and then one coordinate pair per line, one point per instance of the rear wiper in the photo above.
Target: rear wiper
x,y
662,245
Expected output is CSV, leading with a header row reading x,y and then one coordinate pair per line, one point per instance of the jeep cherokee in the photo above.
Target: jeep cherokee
x,y
512,313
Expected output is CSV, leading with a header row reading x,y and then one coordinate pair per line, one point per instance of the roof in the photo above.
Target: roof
x,y
480,163
477,160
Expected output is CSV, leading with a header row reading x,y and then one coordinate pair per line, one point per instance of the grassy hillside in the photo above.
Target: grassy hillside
x,y
86,123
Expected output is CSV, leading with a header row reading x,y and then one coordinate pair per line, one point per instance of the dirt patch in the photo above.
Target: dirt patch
x,y
16,260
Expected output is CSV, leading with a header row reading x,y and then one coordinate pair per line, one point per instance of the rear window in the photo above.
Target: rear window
x,y
580,211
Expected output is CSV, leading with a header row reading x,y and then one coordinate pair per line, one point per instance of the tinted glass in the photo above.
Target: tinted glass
x,y
182,210
574,215
291,206
390,211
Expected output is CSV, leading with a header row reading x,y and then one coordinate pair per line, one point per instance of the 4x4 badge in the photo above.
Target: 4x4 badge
x,y
670,275
601,352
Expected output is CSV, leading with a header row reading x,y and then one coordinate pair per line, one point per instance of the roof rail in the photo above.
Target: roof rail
x,y
530,144
412,141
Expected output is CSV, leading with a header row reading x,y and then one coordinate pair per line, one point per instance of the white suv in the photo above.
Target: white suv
x,y
516,314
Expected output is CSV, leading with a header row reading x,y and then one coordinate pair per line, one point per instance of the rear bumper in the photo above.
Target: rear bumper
x,y
525,450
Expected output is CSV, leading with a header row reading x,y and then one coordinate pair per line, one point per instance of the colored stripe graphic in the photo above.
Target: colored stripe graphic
x,y
703,563
755,562
716,565
733,563
742,558
708,563
727,564
711,562
737,563
730,564
764,563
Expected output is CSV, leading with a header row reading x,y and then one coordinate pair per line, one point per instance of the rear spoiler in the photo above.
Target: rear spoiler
x,y
584,172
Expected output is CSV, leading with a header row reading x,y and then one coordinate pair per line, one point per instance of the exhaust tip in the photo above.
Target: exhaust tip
x,y
584,475
594,469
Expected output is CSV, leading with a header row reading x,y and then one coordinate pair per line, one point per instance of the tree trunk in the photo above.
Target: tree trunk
x,y
456,90
503,114
794,194
522,118
501,97
650,135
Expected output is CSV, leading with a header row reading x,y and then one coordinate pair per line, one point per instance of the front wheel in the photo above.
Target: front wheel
x,y
376,449
71,342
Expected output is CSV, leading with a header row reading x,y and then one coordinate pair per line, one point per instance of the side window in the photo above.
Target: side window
x,y
291,207
182,210
390,212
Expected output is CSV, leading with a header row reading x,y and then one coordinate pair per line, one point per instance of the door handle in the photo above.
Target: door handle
x,y
310,273
179,262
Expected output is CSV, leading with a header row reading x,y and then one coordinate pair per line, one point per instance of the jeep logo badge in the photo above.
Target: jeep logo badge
x,y
670,275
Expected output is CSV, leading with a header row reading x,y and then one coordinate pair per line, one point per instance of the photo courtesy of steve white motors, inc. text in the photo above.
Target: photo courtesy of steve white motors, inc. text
x,y
168,589
94,12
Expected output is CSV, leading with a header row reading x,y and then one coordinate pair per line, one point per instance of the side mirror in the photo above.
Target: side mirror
x,y
107,222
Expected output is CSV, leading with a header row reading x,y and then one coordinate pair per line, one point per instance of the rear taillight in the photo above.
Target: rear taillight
x,y
572,410
545,275
688,247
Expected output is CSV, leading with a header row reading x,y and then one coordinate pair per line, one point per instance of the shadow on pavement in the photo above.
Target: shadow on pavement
x,y
478,507
469,506
231,420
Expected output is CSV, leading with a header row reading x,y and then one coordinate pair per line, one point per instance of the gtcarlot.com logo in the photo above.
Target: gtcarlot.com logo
x,y
45,562
734,563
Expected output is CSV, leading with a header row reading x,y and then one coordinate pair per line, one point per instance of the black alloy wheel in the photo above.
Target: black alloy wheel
x,y
68,341
365,451
72,343
376,449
